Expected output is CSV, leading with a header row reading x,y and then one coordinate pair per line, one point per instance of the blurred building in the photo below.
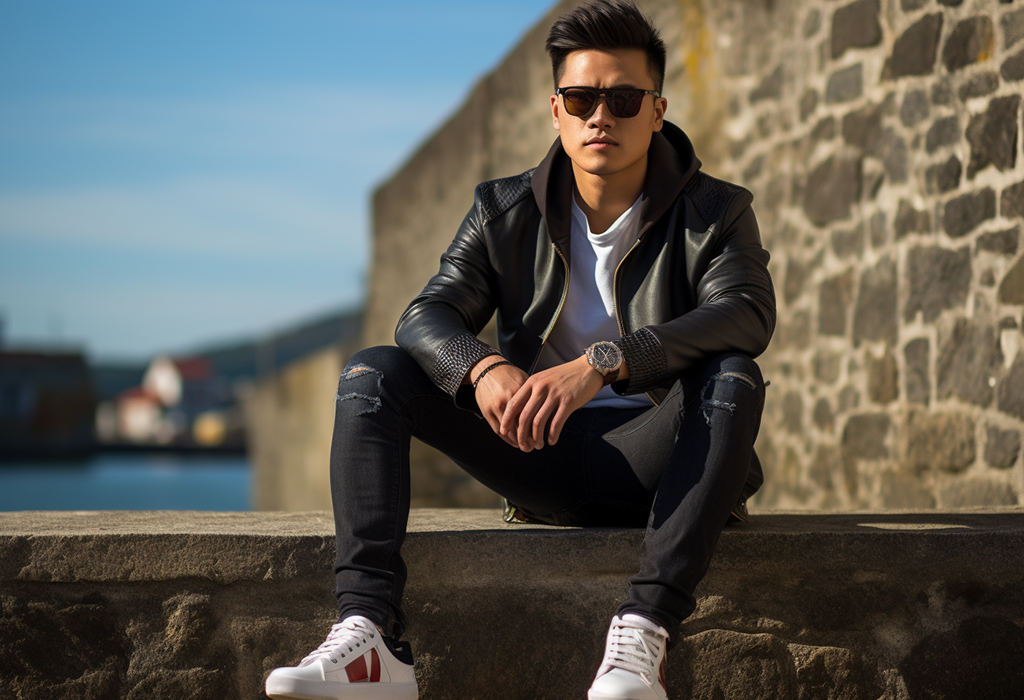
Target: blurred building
x,y
47,405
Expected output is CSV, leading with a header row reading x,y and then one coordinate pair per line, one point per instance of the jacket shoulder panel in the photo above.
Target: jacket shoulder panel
x,y
712,197
497,196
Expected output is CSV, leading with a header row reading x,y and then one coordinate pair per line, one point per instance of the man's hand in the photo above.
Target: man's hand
x,y
551,395
495,390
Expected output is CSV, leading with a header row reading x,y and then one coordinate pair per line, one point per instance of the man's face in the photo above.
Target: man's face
x,y
603,144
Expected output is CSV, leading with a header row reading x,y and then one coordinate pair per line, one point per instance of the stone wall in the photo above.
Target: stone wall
x,y
197,606
881,140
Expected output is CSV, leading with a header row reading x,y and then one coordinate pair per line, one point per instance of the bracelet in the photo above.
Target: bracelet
x,y
489,368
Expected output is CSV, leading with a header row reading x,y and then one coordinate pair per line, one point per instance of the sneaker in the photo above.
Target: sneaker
x,y
634,661
356,662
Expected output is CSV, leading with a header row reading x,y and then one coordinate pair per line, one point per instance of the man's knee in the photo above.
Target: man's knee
x,y
730,380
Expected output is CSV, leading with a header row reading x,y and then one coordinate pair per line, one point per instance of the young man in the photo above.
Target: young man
x,y
631,293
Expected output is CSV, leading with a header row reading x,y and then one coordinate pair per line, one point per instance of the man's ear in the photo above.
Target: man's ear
x,y
660,107
554,111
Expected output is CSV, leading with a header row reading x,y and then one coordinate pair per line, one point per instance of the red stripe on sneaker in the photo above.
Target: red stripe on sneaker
x,y
357,671
374,666
661,675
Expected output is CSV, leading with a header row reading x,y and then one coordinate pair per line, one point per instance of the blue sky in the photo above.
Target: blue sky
x,y
179,173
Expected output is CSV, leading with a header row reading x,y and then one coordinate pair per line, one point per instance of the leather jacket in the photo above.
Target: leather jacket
x,y
694,285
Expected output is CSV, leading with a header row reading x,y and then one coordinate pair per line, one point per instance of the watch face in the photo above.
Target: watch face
x,y
605,355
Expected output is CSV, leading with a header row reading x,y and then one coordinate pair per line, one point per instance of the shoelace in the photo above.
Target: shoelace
x,y
634,648
348,634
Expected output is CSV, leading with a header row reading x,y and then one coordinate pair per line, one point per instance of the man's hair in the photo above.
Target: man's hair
x,y
606,25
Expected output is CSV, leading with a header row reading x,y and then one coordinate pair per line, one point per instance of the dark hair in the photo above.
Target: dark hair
x,y
606,25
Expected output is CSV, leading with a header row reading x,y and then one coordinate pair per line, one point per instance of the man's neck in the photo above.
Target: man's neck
x,y
604,198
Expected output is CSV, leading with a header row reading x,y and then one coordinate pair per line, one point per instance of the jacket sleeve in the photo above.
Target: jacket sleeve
x,y
439,327
735,309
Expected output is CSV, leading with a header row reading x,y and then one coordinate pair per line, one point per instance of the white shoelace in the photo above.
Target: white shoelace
x,y
633,647
347,635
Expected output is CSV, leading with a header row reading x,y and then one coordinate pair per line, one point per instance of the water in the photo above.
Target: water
x,y
128,482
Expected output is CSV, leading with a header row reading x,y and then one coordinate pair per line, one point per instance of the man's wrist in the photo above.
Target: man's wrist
x,y
474,372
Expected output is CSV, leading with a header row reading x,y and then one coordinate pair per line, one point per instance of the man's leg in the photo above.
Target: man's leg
x,y
694,452
700,484
383,399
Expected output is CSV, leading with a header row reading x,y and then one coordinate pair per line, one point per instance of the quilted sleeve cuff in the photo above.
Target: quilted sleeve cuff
x,y
456,357
645,359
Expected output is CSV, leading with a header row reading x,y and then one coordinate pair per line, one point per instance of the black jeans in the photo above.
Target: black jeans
x,y
676,469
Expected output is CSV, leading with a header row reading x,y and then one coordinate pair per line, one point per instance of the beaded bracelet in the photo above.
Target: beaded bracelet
x,y
489,368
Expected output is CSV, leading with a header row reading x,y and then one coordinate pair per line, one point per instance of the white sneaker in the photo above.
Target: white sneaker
x,y
355,663
634,661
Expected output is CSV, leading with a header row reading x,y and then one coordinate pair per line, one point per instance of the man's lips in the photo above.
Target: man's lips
x,y
602,142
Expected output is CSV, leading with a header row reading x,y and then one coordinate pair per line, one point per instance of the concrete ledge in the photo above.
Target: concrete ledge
x,y
202,605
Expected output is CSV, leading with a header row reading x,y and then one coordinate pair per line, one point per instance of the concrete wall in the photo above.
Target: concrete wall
x,y
881,139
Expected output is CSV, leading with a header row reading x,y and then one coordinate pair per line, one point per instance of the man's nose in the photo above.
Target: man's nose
x,y
601,115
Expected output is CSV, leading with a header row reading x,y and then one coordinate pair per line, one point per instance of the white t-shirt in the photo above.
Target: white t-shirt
x,y
588,314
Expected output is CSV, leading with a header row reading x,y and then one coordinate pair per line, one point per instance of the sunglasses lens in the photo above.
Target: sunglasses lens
x,y
624,103
579,103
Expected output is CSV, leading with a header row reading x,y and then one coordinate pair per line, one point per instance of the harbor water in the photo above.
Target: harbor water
x,y
160,481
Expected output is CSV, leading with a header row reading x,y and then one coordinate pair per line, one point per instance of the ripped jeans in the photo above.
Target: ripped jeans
x,y
676,469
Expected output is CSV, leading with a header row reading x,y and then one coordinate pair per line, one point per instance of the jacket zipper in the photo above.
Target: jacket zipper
x,y
615,301
551,325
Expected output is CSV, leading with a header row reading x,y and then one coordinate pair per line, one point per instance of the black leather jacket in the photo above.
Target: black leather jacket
x,y
695,284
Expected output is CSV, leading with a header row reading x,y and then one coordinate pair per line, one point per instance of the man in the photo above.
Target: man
x,y
631,293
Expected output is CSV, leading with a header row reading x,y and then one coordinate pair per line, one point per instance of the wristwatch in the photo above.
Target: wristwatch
x,y
606,358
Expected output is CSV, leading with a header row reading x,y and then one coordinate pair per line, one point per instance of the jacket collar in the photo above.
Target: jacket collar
x,y
671,162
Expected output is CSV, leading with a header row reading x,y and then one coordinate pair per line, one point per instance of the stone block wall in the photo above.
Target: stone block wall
x,y
881,139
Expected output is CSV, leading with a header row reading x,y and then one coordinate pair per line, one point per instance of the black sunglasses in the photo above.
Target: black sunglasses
x,y
623,103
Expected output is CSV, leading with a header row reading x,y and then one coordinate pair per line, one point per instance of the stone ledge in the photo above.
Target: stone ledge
x,y
203,604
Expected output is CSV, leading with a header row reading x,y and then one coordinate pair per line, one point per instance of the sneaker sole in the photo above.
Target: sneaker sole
x,y
298,689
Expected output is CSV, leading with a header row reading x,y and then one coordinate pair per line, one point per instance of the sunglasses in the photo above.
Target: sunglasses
x,y
623,103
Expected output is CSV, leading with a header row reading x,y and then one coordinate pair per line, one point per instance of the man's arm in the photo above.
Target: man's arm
x,y
439,327
735,311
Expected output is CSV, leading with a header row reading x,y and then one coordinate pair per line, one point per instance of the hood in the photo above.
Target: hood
x,y
671,162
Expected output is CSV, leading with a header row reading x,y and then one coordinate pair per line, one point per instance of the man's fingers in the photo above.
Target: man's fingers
x,y
525,434
540,422
557,422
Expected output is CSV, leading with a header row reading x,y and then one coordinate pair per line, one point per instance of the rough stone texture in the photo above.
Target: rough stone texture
x,y
875,314
943,177
883,378
974,491
968,361
771,87
1012,68
915,108
164,606
1011,202
916,383
943,132
993,136
855,25
1001,447
1012,25
832,188
964,213
792,412
834,301
939,441
845,84
915,50
971,41
1011,289
865,436
939,280
1000,242
1011,389
910,220
978,86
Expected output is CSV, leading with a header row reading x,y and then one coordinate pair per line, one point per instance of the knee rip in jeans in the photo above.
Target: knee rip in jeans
x,y
355,372
707,404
